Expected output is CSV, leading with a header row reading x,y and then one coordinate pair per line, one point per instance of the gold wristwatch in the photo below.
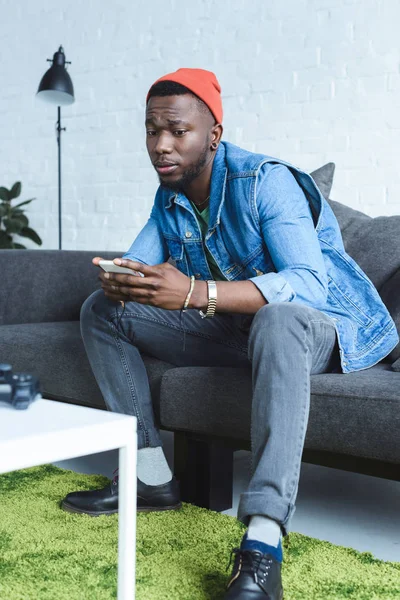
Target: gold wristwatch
x,y
212,300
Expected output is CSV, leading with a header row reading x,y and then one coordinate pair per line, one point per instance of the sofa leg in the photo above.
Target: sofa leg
x,y
204,470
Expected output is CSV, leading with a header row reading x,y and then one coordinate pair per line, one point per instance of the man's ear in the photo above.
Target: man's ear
x,y
216,134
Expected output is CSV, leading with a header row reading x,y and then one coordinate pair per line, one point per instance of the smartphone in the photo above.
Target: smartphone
x,y
110,267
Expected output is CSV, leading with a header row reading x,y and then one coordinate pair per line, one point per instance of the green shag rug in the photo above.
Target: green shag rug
x,y
49,554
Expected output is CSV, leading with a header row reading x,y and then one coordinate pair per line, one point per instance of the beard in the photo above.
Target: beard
x,y
190,174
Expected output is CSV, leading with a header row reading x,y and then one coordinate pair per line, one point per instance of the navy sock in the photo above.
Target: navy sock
x,y
276,552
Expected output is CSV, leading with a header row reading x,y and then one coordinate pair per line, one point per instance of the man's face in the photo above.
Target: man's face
x,y
178,137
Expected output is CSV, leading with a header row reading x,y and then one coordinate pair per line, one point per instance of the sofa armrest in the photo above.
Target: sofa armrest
x,y
47,285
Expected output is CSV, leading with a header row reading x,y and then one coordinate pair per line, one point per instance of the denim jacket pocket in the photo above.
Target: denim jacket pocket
x,y
347,304
256,263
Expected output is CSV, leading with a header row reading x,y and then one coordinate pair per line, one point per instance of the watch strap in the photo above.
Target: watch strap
x,y
212,300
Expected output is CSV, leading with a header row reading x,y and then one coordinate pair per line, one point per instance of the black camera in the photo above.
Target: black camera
x,y
18,389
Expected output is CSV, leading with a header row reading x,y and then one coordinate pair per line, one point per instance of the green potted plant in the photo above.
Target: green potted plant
x,y
13,220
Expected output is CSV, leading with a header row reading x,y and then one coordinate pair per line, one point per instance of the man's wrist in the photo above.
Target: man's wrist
x,y
199,298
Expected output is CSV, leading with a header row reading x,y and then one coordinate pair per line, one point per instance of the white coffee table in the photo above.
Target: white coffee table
x,y
50,431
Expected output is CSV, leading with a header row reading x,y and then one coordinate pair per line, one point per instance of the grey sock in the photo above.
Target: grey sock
x,y
152,466
264,530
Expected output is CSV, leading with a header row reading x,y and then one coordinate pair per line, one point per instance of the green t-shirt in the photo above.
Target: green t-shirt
x,y
202,218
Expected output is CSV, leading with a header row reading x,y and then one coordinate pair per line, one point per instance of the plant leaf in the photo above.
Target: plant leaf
x,y
5,240
19,216
3,210
15,190
19,246
25,202
4,194
13,225
32,235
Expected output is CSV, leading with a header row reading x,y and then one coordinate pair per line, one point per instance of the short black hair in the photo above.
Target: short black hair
x,y
172,88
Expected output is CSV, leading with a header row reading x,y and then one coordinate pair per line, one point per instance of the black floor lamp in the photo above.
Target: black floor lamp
x,y
56,88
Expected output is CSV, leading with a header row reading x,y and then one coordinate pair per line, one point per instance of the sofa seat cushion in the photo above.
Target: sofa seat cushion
x,y
54,352
354,413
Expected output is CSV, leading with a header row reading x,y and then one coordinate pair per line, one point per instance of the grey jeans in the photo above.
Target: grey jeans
x,y
283,344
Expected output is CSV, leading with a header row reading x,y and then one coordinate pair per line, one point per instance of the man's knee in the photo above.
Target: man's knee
x,y
278,314
274,326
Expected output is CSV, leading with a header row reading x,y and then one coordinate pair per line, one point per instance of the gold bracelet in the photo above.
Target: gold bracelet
x,y
189,293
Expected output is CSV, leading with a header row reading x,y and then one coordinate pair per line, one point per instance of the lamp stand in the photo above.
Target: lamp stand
x,y
59,129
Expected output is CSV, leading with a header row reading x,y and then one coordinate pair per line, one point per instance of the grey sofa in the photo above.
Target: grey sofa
x,y
354,417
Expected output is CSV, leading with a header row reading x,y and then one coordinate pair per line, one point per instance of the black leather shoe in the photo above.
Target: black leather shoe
x,y
105,500
158,497
255,576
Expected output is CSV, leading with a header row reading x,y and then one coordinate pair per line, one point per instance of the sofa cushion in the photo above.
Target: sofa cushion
x,y
396,365
373,242
355,413
54,352
46,285
390,294
323,177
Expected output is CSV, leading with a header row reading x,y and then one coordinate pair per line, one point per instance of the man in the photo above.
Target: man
x,y
262,281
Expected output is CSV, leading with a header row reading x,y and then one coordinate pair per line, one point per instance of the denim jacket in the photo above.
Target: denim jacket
x,y
269,223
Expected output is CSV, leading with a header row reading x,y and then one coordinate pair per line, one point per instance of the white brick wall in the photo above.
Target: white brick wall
x,y
309,81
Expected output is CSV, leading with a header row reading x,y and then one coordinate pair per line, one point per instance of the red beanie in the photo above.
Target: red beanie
x,y
202,83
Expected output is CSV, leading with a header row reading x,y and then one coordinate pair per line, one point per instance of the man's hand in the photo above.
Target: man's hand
x,y
162,286
107,285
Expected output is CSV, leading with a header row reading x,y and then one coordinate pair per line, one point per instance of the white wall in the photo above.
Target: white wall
x,y
309,81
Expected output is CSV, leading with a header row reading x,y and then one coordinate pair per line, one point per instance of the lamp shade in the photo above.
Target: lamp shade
x,y
56,85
